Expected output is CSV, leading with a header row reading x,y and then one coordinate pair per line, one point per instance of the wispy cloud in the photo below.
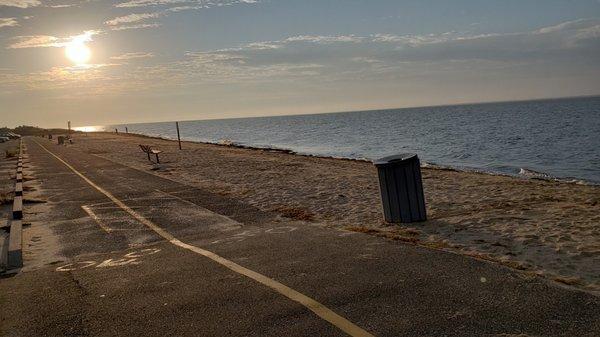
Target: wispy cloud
x,y
129,56
35,41
88,79
385,55
185,4
144,3
138,26
319,61
41,41
62,5
135,17
124,22
8,22
183,8
325,39
20,3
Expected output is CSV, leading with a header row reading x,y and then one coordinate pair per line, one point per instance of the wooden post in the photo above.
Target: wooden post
x,y
116,131
178,137
126,130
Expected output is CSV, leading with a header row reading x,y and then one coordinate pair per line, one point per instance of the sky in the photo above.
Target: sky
x,y
97,62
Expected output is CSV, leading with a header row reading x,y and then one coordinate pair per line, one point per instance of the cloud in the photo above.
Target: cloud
x,y
121,22
378,55
326,62
144,3
185,4
139,26
8,22
35,41
42,41
325,39
89,79
129,56
136,17
62,6
20,3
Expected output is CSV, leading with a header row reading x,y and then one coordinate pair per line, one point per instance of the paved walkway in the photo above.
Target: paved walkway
x,y
120,252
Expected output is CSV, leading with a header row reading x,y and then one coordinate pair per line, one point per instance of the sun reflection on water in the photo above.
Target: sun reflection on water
x,y
87,128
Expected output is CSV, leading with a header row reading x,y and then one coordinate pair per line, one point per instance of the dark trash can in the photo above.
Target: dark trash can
x,y
61,140
401,188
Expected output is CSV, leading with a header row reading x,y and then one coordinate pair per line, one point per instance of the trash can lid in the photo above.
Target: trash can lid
x,y
398,158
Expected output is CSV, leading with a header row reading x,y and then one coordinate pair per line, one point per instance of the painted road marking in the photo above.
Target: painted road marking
x,y
131,258
314,306
249,233
96,218
224,218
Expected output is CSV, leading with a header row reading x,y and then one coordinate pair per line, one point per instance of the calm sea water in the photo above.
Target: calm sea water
x,y
555,138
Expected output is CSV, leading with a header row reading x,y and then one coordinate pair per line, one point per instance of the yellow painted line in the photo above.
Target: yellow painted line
x,y
97,219
316,307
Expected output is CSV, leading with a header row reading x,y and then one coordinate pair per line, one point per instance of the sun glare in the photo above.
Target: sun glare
x,y
77,51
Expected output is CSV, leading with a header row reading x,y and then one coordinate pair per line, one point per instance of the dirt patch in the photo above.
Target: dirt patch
x,y
6,198
33,201
296,213
10,153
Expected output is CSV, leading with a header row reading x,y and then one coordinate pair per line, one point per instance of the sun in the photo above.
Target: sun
x,y
78,52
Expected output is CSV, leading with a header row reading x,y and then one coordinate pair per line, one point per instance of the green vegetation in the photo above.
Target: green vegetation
x,y
25,130
11,153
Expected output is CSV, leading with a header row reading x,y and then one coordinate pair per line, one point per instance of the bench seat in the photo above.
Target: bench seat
x,y
149,150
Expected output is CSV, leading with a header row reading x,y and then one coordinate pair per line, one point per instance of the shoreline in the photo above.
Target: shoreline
x,y
528,174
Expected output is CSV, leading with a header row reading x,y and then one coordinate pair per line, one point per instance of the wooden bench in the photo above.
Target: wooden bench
x,y
149,150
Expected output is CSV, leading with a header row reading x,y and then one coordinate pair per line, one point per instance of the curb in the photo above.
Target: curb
x,y
15,239
19,189
15,245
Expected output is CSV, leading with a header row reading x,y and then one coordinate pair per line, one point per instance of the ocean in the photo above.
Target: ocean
x,y
553,139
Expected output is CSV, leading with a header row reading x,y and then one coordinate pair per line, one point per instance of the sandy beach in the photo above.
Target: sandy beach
x,y
546,228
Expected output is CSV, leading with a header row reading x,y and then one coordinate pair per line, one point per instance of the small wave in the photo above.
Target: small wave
x,y
531,174
510,171
226,142
535,174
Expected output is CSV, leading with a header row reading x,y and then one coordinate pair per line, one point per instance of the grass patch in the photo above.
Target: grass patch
x,y
34,201
509,263
572,281
365,230
28,188
398,237
5,198
11,153
437,244
403,234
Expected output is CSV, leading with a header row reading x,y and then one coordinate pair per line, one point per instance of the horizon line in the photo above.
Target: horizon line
x,y
334,112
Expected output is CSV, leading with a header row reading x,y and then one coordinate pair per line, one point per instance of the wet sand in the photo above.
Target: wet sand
x,y
546,228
